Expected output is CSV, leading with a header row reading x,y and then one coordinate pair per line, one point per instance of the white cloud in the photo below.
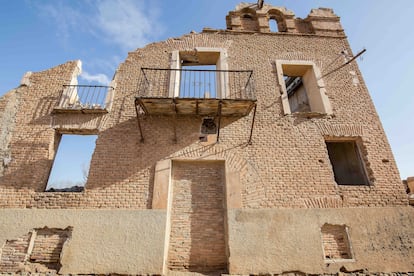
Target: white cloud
x,y
98,78
126,23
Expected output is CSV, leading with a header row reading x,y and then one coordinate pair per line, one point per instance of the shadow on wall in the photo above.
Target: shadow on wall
x,y
41,113
121,165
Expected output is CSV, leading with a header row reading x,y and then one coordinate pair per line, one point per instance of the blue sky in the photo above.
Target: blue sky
x,y
36,35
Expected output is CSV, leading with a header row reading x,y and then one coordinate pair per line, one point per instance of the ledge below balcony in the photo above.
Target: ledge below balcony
x,y
58,110
192,106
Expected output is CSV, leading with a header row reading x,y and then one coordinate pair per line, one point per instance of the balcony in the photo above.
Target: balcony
x,y
196,92
84,99
204,93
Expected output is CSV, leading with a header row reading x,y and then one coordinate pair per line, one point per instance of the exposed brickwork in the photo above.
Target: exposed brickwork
x,y
249,24
122,168
37,251
48,246
14,254
286,165
335,242
197,220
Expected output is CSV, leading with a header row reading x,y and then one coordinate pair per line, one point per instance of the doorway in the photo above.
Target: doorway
x,y
197,237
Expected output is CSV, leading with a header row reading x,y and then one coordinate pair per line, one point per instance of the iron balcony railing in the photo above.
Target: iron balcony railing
x,y
78,97
199,84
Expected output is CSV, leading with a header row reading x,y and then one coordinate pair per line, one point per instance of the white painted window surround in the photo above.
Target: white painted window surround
x,y
221,64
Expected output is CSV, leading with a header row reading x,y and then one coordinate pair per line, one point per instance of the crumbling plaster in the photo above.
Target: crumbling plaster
x,y
271,241
104,241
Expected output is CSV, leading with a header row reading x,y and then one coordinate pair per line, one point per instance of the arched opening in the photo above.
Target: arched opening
x,y
277,22
248,20
273,27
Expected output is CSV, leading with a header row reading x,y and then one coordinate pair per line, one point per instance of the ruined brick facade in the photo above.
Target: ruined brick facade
x,y
156,164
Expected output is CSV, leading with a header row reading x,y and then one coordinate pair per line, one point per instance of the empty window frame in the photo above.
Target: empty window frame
x,y
297,95
198,81
273,27
70,168
335,242
302,87
208,127
348,166
277,21
199,73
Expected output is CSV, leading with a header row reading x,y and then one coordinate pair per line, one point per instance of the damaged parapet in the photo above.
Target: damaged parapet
x,y
9,106
80,98
248,17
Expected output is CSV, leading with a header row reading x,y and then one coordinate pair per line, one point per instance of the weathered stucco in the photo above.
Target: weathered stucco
x,y
103,241
276,241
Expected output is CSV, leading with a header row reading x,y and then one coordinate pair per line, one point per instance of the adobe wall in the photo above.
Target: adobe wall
x,y
286,240
101,242
269,241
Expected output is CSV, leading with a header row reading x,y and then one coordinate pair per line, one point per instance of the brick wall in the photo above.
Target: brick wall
x,y
335,242
249,24
197,240
48,246
287,164
14,254
36,251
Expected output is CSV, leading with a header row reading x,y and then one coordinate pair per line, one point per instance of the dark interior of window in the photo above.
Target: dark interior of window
x,y
347,163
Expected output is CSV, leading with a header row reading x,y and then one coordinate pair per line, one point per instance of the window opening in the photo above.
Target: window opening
x,y
208,126
297,95
335,241
200,73
273,26
71,165
302,88
198,81
346,162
